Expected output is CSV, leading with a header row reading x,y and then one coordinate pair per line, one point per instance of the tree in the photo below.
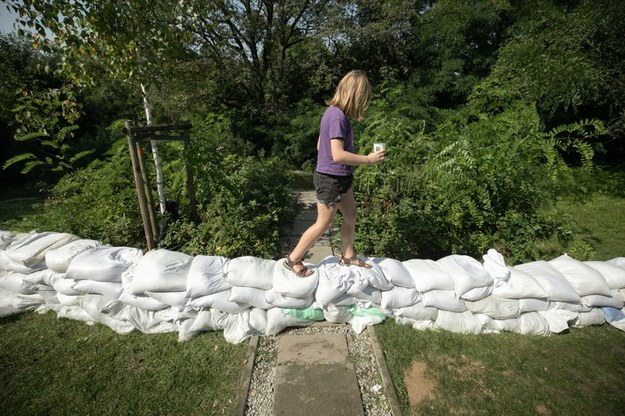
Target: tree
x,y
138,41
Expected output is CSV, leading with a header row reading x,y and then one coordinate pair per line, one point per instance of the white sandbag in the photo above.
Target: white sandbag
x,y
583,278
41,277
333,281
569,306
598,301
238,328
289,284
6,238
32,247
141,302
249,296
418,312
175,299
399,297
205,276
478,293
278,300
496,307
618,261
64,286
367,294
415,323
533,305
111,290
219,301
395,272
160,271
148,322
428,275
374,276
277,321
532,323
594,317
509,325
556,286
446,300
466,272
58,259
558,320
250,271
518,286
76,313
102,263
614,275
7,264
258,320
14,282
460,323
487,323
337,314
360,323
94,304
495,265
68,300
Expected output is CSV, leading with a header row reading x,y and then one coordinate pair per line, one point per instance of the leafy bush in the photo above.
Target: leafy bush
x,y
478,181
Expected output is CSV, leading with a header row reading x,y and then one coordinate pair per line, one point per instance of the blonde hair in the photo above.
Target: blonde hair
x,y
352,95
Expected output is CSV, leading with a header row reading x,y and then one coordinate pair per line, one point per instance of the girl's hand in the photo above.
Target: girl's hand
x,y
376,157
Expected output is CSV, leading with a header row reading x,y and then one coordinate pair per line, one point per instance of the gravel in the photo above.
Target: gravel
x,y
372,391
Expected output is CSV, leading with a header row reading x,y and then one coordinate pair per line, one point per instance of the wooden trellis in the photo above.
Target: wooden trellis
x,y
163,132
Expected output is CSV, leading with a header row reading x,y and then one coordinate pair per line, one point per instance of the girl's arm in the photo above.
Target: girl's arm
x,y
340,155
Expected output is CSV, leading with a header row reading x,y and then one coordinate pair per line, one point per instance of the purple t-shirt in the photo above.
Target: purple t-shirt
x,y
334,123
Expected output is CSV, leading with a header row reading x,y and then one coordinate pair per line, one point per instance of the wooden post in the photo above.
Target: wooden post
x,y
149,238
147,191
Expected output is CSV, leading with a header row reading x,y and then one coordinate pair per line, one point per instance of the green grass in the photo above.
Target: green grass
x,y
576,373
64,367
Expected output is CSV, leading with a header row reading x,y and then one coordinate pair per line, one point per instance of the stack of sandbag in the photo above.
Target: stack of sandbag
x,y
165,291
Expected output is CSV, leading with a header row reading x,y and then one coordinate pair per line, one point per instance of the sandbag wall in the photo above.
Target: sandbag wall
x,y
166,291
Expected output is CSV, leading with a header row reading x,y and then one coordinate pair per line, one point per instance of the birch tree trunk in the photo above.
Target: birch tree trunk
x,y
155,155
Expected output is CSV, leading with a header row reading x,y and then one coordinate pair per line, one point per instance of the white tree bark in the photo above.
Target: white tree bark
x,y
155,155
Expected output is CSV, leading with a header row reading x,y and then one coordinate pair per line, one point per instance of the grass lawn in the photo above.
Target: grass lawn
x,y
51,366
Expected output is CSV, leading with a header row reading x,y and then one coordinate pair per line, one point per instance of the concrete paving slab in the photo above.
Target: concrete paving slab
x,y
326,389
312,349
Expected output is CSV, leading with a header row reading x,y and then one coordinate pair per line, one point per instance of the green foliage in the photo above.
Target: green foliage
x,y
478,181
49,118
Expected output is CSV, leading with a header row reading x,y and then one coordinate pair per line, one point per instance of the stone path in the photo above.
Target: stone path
x,y
314,375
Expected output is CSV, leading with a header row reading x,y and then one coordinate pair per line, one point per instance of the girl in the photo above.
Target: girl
x,y
336,158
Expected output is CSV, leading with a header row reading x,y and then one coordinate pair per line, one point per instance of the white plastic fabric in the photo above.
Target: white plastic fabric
x,y
287,283
552,281
614,275
250,271
418,312
584,279
428,275
102,263
466,272
205,276
31,248
446,300
496,307
278,300
399,297
249,296
160,271
395,272
58,259
518,286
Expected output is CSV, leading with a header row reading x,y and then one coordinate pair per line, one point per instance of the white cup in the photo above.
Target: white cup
x,y
379,146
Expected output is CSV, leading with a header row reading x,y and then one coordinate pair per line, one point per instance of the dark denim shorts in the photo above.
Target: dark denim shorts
x,y
331,189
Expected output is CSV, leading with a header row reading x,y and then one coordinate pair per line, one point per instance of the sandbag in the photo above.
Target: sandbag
x,y
102,263
584,279
558,320
360,323
111,290
552,281
446,300
277,321
7,264
458,322
175,299
337,314
532,323
249,296
496,307
31,248
160,271
593,317
367,294
614,275
219,301
428,275
258,320
597,301
237,328
418,312
14,282
466,272
374,276
278,300
58,259
518,286
478,293
333,281
250,271
205,276
141,301
495,265
6,238
414,323
533,305
395,272
399,297
287,283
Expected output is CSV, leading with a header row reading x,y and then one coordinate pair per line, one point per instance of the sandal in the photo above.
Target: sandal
x,y
354,261
302,271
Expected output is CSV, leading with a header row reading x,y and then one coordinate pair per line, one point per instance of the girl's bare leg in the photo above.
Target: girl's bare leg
x,y
325,218
348,209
